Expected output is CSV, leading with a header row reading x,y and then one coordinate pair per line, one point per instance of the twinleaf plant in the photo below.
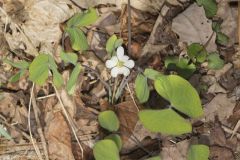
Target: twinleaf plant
x,y
75,28
109,148
197,54
41,66
44,64
182,97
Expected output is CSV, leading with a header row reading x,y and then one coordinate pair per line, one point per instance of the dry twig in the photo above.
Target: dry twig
x,y
29,126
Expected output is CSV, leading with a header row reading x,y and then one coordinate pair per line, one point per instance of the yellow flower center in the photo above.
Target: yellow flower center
x,y
120,64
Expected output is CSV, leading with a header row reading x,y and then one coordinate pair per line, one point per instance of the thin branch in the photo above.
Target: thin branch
x,y
39,155
129,90
235,129
47,96
129,26
39,127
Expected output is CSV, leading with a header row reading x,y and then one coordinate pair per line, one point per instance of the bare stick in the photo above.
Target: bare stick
x,y
39,126
48,96
235,129
129,90
69,120
129,26
39,155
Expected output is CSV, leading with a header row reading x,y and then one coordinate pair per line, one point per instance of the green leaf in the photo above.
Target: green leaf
x,y
110,45
141,88
106,150
196,50
180,93
73,79
180,65
154,158
198,152
57,77
108,120
151,73
69,57
118,43
210,7
78,39
214,61
17,76
117,139
21,64
165,121
222,38
83,19
216,26
38,69
4,133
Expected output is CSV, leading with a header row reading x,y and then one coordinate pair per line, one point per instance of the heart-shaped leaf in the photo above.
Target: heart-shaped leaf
x,y
38,69
214,61
198,152
165,121
83,19
78,39
106,150
73,79
141,88
210,7
180,93
115,138
108,120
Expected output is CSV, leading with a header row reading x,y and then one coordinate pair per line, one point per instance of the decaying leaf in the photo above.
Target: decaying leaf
x,y
221,106
177,151
192,26
58,135
41,25
127,114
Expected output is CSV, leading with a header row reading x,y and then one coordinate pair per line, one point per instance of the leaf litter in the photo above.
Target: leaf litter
x,y
159,29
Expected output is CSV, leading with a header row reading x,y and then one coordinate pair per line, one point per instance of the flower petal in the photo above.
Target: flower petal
x,y
124,58
124,70
112,62
120,52
129,63
115,71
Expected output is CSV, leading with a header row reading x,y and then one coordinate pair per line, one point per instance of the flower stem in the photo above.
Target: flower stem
x,y
114,89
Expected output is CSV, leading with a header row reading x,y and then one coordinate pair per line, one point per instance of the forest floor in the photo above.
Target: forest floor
x,y
159,29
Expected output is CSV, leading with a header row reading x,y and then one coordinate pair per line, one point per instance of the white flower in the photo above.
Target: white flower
x,y
120,64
